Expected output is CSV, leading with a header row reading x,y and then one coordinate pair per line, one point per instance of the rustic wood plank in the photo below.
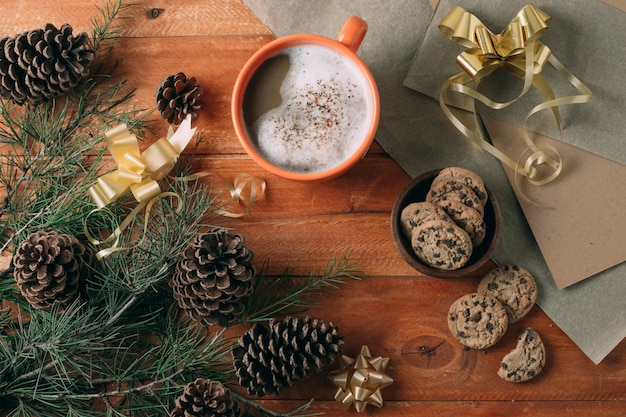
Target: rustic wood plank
x,y
145,19
298,223
371,187
455,407
215,63
405,319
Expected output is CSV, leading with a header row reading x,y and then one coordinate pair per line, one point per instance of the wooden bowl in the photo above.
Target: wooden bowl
x,y
416,191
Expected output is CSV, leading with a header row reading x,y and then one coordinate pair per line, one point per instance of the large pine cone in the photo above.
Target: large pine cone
x,y
213,276
205,398
40,64
178,96
269,359
51,268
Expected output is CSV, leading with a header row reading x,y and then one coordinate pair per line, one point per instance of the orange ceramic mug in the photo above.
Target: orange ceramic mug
x,y
306,107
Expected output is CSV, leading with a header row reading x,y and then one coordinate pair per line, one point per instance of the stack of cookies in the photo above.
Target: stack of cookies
x,y
446,227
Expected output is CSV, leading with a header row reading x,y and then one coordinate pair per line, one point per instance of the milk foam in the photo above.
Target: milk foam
x,y
324,115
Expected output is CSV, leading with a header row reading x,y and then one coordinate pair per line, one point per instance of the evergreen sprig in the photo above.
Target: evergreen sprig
x,y
291,294
126,342
104,29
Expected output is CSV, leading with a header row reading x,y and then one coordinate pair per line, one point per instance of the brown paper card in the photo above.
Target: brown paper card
x,y
577,220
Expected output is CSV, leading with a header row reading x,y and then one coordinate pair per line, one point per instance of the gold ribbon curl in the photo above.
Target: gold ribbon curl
x,y
236,189
117,233
360,380
517,50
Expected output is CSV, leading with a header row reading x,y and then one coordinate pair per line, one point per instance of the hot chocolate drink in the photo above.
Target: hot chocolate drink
x,y
308,109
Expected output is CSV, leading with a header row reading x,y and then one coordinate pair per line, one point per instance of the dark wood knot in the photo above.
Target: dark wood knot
x,y
155,12
428,351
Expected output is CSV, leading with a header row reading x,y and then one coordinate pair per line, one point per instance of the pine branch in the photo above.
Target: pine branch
x,y
104,31
159,369
175,374
126,299
288,294
51,152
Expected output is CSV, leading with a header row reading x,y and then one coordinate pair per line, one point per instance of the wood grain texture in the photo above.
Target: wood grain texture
x,y
144,19
393,309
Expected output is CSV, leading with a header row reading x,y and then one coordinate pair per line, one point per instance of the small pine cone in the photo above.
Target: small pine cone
x,y
205,398
213,276
40,64
178,96
269,359
51,268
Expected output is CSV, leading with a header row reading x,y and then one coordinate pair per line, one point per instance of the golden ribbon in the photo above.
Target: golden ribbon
x,y
117,233
256,185
139,171
360,380
517,50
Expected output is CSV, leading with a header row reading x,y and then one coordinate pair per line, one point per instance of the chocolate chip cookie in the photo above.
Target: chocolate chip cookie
x,y
469,177
451,189
525,361
467,219
416,213
441,244
513,286
477,321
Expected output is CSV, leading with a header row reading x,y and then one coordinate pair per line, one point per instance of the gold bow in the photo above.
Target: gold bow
x,y
487,51
138,171
361,379
517,50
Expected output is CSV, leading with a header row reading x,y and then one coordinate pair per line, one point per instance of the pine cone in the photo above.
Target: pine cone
x,y
51,268
205,398
269,359
178,96
213,276
40,64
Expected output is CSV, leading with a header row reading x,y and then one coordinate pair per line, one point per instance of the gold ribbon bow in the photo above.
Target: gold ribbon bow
x,y
487,51
360,380
138,171
517,50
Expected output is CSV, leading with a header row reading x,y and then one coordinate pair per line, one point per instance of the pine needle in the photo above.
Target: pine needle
x,y
288,294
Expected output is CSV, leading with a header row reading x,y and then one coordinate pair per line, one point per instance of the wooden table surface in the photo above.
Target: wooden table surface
x,y
393,310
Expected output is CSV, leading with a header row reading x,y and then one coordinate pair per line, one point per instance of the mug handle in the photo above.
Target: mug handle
x,y
353,32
